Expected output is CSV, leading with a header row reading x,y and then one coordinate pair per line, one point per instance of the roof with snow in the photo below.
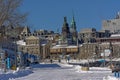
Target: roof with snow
x,y
21,42
115,35
64,46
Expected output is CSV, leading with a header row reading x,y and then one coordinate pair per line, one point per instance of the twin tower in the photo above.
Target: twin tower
x,y
69,34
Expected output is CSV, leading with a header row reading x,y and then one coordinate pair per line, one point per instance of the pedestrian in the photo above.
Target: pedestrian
x,y
51,61
59,60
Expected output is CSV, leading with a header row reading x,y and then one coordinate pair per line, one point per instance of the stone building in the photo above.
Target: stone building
x,y
25,33
62,51
113,25
98,49
87,50
31,46
35,46
44,34
89,35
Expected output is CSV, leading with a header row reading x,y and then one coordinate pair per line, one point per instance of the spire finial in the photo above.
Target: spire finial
x,y
73,20
73,23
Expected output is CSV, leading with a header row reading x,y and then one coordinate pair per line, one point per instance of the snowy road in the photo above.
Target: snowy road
x,y
63,72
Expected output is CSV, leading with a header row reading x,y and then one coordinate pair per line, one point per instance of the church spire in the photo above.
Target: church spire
x,y
73,23
73,20
73,30
65,28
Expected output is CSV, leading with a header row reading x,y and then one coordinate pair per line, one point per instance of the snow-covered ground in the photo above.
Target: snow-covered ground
x,y
58,71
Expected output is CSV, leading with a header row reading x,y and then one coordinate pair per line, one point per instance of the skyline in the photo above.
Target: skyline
x,y
49,15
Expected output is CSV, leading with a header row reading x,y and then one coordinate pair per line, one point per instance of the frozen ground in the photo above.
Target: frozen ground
x,y
59,72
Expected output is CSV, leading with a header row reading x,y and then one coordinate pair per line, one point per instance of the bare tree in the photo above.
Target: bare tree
x,y
9,13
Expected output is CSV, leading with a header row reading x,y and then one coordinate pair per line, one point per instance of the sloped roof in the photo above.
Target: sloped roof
x,y
26,30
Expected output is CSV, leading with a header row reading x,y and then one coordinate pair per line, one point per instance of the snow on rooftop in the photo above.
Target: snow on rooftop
x,y
21,42
107,43
64,46
115,35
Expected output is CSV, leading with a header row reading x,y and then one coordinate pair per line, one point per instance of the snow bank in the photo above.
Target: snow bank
x,y
93,69
15,74
65,65
43,65
110,78
77,68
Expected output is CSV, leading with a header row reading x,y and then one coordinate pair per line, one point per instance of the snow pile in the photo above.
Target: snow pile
x,y
101,69
93,69
15,74
110,78
77,68
66,65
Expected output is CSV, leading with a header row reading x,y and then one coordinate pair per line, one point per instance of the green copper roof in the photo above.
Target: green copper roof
x,y
73,24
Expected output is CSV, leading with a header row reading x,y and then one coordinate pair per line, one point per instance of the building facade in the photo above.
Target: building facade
x,y
62,51
113,25
35,46
87,50
89,35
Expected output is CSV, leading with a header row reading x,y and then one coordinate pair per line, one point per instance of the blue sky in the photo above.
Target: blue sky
x,y
48,14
